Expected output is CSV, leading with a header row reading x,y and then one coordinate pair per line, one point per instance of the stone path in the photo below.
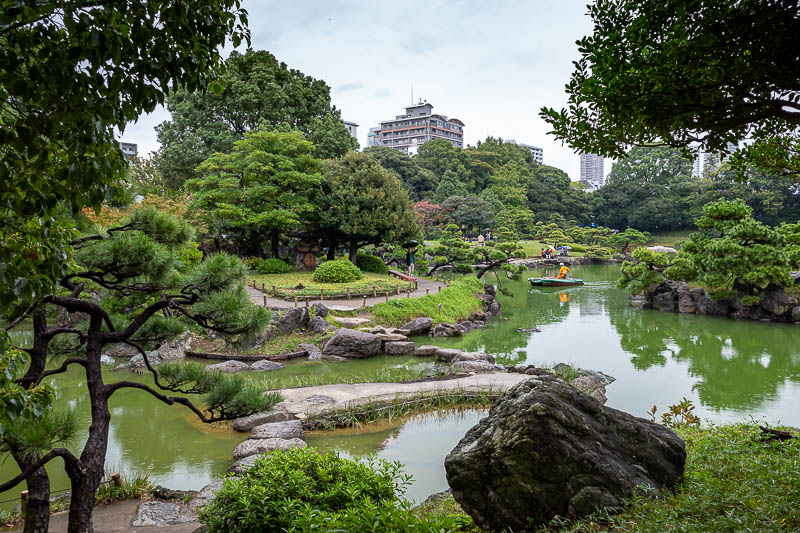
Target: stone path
x,y
304,401
423,287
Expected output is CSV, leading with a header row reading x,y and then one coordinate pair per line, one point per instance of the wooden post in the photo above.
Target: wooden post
x,y
348,293
374,292
427,292
322,294
262,286
398,290
23,499
274,291
410,286
440,288
306,302
265,300
365,301
387,296
115,477
408,294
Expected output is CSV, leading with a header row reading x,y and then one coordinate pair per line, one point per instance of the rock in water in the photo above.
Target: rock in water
x,y
418,326
264,366
352,343
228,367
290,429
547,449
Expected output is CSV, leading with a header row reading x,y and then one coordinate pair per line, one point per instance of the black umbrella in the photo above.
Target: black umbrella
x,y
411,244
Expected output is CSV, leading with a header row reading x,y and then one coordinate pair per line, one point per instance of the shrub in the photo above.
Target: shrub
x,y
491,244
304,490
251,262
463,268
370,263
599,252
272,266
338,271
189,255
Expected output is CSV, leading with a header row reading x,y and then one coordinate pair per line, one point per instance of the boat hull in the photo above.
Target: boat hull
x,y
555,282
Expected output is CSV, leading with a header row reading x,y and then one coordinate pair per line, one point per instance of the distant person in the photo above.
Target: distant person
x,y
543,254
410,260
469,235
564,272
480,239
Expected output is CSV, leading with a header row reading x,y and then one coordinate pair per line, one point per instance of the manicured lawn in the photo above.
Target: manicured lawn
x,y
458,302
669,238
534,248
284,283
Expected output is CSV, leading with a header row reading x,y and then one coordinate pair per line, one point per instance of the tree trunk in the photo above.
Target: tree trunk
x,y
353,251
37,511
86,479
331,249
275,243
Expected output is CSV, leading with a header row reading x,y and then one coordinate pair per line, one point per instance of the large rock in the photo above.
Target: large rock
x,y
473,356
228,367
446,329
707,306
774,300
382,330
418,326
240,466
206,495
320,309
175,348
547,449
665,301
796,314
591,386
494,308
246,423
320,325
290,429
265,366
259,446
398,347
442,354
474,367
121,350
352,322
137,361
160,514
391,337
352,343
296,318
314,352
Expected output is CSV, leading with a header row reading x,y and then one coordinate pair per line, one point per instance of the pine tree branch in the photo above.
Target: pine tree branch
x,y
169,400
63,368
64,453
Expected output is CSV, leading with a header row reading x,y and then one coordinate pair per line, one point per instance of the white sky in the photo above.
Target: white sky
x,y
491,64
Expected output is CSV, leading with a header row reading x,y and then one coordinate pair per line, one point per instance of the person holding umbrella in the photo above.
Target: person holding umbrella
x,y
411,249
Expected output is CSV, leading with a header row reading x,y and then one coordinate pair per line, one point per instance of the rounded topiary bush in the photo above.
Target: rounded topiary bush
x,y
371,263
463,268
272,266
338,271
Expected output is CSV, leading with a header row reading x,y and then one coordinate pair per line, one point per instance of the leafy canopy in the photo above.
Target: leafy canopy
x,y
687,73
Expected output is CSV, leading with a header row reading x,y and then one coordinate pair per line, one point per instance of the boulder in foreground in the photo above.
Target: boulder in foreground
x,y
547,449
352,343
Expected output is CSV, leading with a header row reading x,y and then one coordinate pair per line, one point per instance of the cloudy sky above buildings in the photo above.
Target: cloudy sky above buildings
x,y
492,65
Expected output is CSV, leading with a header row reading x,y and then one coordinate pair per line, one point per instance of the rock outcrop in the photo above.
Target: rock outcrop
x,y
398,347
547,449
320,309
446,329
352,343
320,325
259,446
228,367
474,367
418,326
290,429
247,423
296,318
265,366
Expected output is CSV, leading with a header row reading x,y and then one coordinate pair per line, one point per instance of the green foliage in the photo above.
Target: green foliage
x,y
419,182
683,91
733,253
458,302
363,203
680,414
646,270
259,93
448,187
134,486
452,249
463,268
261,187
599,252
623,239
338,271
189,255
370,263
304,490
272,266
732,482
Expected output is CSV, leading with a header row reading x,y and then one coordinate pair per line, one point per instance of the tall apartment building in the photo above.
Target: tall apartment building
x,y
592,171
373,137
417,126
130,150
697,164
351,127
538,153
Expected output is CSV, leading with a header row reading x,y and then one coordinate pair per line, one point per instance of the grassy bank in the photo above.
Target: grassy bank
x,y
458,302
284,283
732,482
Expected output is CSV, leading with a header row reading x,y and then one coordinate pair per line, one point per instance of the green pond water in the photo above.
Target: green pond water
x,y
731,370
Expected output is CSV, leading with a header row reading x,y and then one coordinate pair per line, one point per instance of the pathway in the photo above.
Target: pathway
x,y
424,287
304,401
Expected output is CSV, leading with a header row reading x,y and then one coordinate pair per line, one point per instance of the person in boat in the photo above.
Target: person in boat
x,y
564,272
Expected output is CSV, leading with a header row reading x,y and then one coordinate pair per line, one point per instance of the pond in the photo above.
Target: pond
x,y
731,370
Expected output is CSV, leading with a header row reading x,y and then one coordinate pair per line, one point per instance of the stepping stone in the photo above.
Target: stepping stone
x,y
291,429
246,423
352,322
259,446
263,366
160,514
341,308
206,495
398,348
228,367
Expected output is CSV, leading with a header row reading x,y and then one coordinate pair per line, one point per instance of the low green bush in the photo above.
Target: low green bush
x,y
371,263
599,252
305,490
463,268
251,262
272,266
338,271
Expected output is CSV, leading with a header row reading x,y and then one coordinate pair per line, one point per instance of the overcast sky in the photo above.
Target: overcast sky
x,y
492,65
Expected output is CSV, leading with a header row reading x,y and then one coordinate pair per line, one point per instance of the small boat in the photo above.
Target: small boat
x,y
555,282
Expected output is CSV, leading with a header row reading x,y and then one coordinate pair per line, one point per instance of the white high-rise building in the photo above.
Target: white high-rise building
x,y
351,127
538,153
592,174
697,164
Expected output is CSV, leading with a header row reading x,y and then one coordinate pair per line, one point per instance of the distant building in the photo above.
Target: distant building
x,y
373,137
592,174
697,164
130,150
417,126
714,161
351,127
538,153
